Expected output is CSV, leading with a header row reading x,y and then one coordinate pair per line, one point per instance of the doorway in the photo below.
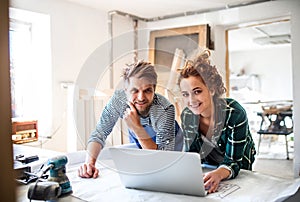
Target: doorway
x,y
259,74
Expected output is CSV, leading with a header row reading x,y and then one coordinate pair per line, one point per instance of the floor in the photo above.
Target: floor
x,y
272,160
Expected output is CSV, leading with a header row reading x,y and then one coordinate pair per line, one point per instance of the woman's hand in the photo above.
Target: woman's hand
x,y
213,178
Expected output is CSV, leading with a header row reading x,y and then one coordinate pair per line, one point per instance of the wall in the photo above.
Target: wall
x,y
271,65
295,26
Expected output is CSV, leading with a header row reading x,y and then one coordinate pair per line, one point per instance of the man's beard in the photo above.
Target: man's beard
x,y
145,112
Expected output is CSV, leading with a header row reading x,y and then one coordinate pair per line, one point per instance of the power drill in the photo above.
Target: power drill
x,y
58,173
58,183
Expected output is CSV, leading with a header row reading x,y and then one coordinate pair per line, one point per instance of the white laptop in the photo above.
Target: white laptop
x,y
156,170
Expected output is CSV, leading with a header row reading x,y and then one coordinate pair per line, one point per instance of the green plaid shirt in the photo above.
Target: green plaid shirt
x,y
231,146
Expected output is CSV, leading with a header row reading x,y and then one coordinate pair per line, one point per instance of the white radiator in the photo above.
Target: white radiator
x,y
84,109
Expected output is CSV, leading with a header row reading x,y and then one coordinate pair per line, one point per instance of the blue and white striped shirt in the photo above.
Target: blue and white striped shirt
x,y
161,118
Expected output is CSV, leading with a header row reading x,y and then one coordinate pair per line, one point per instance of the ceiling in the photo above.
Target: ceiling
x,y
266,35
156,8
239,39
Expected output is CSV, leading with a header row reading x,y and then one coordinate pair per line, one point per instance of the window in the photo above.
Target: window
x,y
20,44
30,64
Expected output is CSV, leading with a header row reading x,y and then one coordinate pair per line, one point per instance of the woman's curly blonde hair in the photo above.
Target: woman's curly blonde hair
x,y
200,67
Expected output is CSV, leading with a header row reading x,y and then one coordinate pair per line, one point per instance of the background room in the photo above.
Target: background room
x,y
76,40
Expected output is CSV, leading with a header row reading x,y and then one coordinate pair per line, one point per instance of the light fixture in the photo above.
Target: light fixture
x,y
273,40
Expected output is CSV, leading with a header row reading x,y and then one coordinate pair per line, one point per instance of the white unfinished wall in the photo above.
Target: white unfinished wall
x,y
273,67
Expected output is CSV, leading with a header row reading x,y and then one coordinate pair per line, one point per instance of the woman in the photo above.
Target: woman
x,y
215,127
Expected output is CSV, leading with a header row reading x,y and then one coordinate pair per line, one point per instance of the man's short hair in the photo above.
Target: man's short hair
x,y
140,69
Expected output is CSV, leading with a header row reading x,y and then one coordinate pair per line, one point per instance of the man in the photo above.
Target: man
x,y
150,117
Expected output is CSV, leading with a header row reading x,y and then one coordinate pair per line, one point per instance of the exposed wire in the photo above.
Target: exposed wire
x,y
39,178
186,13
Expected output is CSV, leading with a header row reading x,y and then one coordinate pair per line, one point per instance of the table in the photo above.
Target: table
x,y
44,155
249,186
276,126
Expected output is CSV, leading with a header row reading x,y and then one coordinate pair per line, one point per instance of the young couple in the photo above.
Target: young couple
x,y
213,126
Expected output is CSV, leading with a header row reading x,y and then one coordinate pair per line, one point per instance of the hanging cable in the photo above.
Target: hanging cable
x,y
135,42
111,52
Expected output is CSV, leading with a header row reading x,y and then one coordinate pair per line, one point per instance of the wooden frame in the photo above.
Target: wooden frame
x,y
227,69
8,184
200,30
169,48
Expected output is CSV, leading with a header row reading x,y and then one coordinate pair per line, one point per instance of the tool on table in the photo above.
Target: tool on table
x,y
45,191
23,169
25,176
58,183
27,159
58,173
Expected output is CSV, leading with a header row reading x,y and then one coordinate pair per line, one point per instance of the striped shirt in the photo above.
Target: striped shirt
x,y
161,118
231,146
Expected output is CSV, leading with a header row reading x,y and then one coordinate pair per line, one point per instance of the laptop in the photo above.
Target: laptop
x,y
156,170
